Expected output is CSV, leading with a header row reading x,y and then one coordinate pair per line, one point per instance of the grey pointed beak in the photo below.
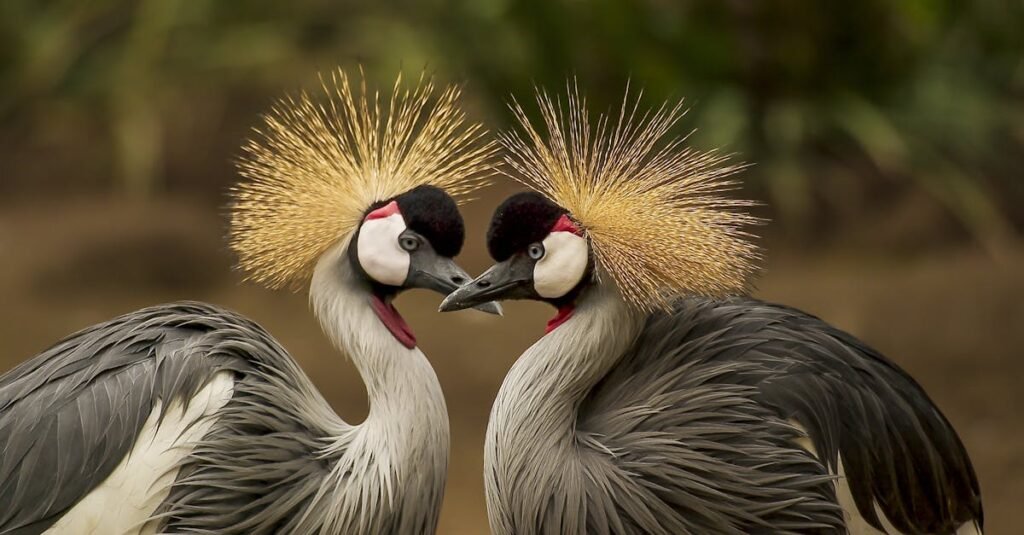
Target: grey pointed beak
x,y
443,275
511,279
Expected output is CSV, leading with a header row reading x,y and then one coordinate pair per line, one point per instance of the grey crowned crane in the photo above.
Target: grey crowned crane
x,y
662,400
187,418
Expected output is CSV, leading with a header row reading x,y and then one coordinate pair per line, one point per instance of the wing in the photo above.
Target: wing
x,y
262,468
778,366
69,415
896,447
678,413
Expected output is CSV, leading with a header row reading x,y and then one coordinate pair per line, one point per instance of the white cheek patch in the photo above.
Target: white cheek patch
x,y
563,265
379,253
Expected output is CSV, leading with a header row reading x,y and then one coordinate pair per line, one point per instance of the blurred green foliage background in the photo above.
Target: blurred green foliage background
x,y
845,110
887,139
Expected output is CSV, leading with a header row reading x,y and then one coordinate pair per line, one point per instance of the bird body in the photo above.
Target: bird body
x,y
256,449
721,416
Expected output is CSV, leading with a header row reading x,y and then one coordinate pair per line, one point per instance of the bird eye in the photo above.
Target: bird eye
x,y
536,251
409,243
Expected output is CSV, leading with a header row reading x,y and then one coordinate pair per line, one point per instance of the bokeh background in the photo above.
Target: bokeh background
x,y
887,140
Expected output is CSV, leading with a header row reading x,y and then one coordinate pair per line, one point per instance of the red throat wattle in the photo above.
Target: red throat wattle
x,y
564,313
391,319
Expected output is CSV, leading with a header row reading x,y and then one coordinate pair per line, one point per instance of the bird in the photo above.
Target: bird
x,y
662,397
189,418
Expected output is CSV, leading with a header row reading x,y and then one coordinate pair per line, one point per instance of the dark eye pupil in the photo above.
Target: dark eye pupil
x,y
409,244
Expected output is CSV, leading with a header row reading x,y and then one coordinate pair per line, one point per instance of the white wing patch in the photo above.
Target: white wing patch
x,y
378,250
125,500
855,523
563,265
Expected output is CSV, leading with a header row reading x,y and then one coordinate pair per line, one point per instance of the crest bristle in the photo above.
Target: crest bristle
x,y
318,164
654,211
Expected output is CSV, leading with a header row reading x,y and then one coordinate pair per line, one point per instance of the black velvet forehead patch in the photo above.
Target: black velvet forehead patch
x,y
522,219
432,213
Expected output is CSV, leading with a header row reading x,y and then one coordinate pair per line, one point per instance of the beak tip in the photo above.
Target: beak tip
x,y
448,305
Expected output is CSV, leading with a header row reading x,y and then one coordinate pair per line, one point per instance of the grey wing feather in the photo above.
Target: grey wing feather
x,y
261,468
897,448
678,417
701,405
69,415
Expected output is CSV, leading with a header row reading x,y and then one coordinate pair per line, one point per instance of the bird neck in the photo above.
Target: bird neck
x,y
554,376
402,446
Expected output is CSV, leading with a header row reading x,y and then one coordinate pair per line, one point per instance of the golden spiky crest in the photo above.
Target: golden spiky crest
x,y
318,163
654,210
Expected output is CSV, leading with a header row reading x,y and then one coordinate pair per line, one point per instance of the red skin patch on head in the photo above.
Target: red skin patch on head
x,y
391,319
387,210
564,224
564,313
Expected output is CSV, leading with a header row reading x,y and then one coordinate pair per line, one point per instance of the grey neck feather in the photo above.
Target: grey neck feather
x,y
533,420
399,454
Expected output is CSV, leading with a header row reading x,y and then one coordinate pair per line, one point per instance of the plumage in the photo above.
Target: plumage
x,y
785,366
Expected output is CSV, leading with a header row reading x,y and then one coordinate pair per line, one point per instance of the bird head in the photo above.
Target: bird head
x,y
410,242
353,176
613,203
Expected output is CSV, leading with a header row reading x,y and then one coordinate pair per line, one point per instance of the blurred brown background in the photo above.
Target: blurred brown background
x,y
887,138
